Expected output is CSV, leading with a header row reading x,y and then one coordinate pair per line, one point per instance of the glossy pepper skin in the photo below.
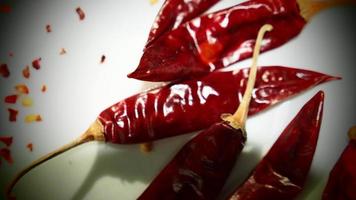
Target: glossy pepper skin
x,y
217,40
342,179
176,12
176,109
200,168
281,174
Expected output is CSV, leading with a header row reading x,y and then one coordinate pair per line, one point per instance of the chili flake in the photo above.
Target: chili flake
x,y
102,60
4,71
12,114
6,154
146,147
44,88
33,118
48,28
80,13
36,63
26,72
62,51
27,102
30,146
11,99
22,89
7,140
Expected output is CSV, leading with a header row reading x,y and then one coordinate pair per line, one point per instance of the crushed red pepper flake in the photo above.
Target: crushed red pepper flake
x,y
22,89
102,60
33,118
26,72
4,8
5,153
44,88
11,54
7,140
27,101
36,63
62,51
4,71
13,114
30,146
11,99
80,13
48,28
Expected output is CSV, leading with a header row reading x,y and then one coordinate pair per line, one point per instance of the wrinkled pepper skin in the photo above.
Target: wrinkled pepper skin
x,y
217,40
283,171
194,105
176,12
342,179
201,167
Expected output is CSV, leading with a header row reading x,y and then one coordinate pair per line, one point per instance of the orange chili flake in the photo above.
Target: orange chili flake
x,y
26,72
30,146
80,13
33,118
4,71
44,88
7,140
12,114
48,28
27,102
62,51
22,89
36,63
11,99
6,154
102,60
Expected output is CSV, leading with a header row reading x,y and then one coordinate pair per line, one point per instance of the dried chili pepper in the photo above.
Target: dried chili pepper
x,y
7,140
342,179
201,167
220,39
36,63
80,13
13,114
12,99
176,12
4,71
176,108
281,174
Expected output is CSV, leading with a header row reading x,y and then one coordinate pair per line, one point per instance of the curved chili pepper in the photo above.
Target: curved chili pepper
x,y
176,12
283,171
177,108
342,180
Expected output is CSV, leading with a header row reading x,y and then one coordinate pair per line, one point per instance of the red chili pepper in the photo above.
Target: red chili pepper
x,y
36,63
222,38
200,168
6,140
342,180
176,12
13,114
283,171
11,99
4,71
177,108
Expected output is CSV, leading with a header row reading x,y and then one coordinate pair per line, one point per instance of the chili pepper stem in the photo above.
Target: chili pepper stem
x,y
238,119
94,133
352,133
308,8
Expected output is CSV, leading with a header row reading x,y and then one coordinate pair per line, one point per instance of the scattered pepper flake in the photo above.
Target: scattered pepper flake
x,y
146,147
26,72
30,146
102,60
11,54
4,71
48,28
62,51
6,154
4,8
12,114
152,2
44,88
80,13
36,63
27,102
11,99
7,140
22,89
33,118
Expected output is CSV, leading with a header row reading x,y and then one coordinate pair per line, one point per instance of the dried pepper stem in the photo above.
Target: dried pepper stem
x,y
94,133
238,119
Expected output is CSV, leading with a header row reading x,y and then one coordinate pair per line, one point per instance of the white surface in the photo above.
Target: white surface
x,y
79,87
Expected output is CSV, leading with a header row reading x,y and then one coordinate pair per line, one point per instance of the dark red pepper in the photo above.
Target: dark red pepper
x,y
176,108
176,12
11,99
36,63
342,180
283,171
4,70
13,114
6,140
5,153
